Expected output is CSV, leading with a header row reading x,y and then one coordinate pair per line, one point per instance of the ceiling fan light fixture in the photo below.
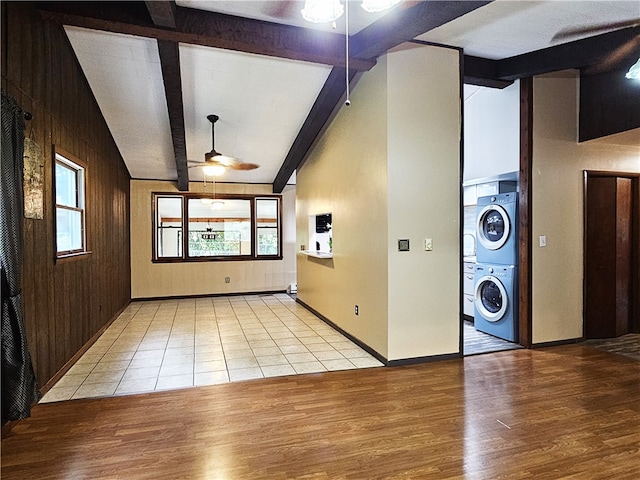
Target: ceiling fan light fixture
x,y
634,71
214,170
373,6
217,205
322,11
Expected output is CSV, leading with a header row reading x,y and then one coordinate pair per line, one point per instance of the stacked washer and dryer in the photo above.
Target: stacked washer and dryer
x,y
495,279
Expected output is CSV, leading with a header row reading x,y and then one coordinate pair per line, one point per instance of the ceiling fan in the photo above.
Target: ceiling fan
x,y
216,163
618,55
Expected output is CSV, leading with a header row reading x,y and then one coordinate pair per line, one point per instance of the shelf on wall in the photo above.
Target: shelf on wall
x,y
317,254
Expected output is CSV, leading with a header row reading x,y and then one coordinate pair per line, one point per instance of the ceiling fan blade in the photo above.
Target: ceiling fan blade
x,y
567,33
216,159
283,9
611,62
243,166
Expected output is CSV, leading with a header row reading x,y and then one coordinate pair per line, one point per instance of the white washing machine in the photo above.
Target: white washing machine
x,y
495,300
496,229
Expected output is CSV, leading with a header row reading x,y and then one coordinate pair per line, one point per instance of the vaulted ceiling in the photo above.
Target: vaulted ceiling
x,y
159,68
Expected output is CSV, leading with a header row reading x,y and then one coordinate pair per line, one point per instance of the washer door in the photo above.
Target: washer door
x,y
491,298
493,227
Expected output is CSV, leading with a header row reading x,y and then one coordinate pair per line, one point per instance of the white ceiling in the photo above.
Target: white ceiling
x,y
505,28
263,101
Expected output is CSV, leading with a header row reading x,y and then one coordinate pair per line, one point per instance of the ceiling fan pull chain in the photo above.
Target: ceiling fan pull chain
x,y
346,17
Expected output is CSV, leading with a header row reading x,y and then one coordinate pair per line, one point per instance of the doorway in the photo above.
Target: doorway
x,y
611,255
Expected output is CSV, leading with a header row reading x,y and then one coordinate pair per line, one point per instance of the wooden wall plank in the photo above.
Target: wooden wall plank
x,y
66,303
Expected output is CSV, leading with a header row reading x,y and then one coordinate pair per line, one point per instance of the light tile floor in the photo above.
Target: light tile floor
x,y
171,344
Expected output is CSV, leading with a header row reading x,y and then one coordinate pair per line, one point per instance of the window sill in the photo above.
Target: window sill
x,y
216,259
72,257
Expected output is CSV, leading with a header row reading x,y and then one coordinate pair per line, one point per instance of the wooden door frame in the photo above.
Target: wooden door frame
x,y
525,337
635,244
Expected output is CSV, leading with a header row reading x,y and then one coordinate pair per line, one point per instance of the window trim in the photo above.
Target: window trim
x,y
257,226
185,258
68,255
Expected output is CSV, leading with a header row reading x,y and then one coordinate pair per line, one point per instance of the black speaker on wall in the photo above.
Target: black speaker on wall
x,y
323,223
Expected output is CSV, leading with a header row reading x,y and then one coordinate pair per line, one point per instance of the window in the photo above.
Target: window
x,y
70,207
267,226
169,227
223,231
233,227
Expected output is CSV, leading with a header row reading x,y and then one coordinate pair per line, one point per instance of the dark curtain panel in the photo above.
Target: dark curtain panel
x,y
19,388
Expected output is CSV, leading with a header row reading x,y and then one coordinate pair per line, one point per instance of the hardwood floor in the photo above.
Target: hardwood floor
x,y
561,412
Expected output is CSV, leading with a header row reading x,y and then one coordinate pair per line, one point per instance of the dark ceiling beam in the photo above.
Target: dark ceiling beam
x,y
163,13
198,27
600,53
322,111
406,22
587,52
170,63
483,72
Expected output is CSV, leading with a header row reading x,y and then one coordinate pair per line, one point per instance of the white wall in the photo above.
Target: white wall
x,y
557,187
423,124
387,169
346,175
491,132
150,279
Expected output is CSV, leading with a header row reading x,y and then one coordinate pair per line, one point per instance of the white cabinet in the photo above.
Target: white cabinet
x,y
496,187
469,195
468,271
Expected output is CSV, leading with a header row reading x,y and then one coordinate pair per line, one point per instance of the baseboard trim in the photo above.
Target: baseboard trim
x,y
363,346
71,362
557,343
204,295
428,359
9,425
371,351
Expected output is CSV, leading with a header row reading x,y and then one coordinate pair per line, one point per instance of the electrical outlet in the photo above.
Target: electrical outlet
x,y
227,279
356,309
428,244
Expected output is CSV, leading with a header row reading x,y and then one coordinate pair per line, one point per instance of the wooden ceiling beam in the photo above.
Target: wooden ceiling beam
x,y
584,53
483,72
402,25
170,64
406,22
319,117
199,27
163,13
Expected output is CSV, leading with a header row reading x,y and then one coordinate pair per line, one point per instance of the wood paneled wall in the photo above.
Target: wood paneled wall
x,y
66,303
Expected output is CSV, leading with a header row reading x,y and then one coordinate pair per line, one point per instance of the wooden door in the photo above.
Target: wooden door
x,y
610,255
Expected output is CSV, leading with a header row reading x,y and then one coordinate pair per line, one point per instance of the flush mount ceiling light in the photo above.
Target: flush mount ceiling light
x,y
324,11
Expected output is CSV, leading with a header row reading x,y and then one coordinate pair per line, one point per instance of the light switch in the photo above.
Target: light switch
x,y
543,240
428,244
